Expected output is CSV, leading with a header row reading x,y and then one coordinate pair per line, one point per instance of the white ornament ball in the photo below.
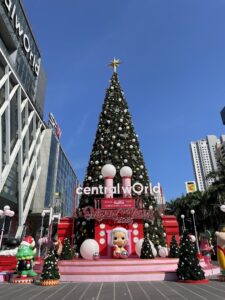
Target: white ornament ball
x,y
89,177
113,137
142,167
131,146
118,144
133,140
120,99
222,208
120,128
101,139
112,87
108,170
100,176
125,160
139,245
163,252
88,248
6,207
105,152
125,110
126,171
146,225
121,120
97,162
192,238
108,121
141,176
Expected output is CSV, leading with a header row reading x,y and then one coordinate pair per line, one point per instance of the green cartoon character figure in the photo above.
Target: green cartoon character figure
x,y
25,257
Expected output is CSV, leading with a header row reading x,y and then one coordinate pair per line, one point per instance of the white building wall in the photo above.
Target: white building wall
x,y
204,158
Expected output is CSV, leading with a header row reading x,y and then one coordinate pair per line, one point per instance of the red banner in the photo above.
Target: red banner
x,y
117,203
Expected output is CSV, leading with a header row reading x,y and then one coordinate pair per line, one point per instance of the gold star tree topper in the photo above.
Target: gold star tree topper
x,y
114,64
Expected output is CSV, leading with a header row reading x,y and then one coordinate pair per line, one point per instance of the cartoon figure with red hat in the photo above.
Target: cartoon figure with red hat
x,y
25,256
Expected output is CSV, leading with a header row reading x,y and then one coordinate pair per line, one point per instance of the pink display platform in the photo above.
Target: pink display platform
x,y
110,270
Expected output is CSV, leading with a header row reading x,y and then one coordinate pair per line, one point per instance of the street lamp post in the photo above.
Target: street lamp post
x,y
196,234
182,217
6,212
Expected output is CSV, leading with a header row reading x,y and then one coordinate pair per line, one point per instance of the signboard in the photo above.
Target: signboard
x,y
111,203
190,187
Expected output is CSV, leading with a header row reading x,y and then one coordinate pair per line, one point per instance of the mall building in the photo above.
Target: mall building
x,y
22,129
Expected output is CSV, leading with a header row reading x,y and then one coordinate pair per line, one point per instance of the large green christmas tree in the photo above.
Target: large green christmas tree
x,y
116,143
188,265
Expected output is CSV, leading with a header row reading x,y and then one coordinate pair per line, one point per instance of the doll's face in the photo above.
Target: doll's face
x,y
119,239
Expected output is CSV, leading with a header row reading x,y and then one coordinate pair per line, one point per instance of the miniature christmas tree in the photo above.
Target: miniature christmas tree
x,y
188,266
66,251
50,269
146,249
174,248
116,143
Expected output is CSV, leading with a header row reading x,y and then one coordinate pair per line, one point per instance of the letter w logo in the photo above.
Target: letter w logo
x,y
18,26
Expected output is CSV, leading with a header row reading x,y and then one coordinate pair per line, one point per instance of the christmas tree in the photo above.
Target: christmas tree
x,y
155,231
146,249
50,268
66,251
188,266
116,143
174,248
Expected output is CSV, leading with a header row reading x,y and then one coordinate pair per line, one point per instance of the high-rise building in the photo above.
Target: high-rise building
x,y
22,90
204,158
57,183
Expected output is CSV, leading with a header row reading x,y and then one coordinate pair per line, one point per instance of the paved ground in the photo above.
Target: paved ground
x,y
163,290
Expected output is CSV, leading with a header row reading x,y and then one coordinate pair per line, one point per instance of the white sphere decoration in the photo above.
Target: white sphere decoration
x,y
12,213
126,171
89,177
141,176
108,170
182,216
125,160
1,212
151,207
125,110
6,207
142,167
7,212
222,208
88,248
96,162
139,245
120,128
131,146
118,144
192,238
101,139
146,225
100,176
108,121
133,140
192,211
121,120
163,252
113,137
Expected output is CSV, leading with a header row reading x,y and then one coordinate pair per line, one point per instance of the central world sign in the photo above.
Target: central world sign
x,y
23,35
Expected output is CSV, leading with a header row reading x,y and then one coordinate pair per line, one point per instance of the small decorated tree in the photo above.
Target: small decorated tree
x,y
174,248
188,265
146,249
50,273
66,251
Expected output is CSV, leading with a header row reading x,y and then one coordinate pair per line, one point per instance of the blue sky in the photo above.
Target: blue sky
x,y
172,73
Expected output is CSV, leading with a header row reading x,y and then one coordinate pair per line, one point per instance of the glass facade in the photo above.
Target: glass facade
x,y
61,179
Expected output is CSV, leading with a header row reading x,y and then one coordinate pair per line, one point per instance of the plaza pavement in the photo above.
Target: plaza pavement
x,y
159,290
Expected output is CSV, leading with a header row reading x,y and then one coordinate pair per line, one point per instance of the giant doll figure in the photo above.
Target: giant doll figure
x,y
119,237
